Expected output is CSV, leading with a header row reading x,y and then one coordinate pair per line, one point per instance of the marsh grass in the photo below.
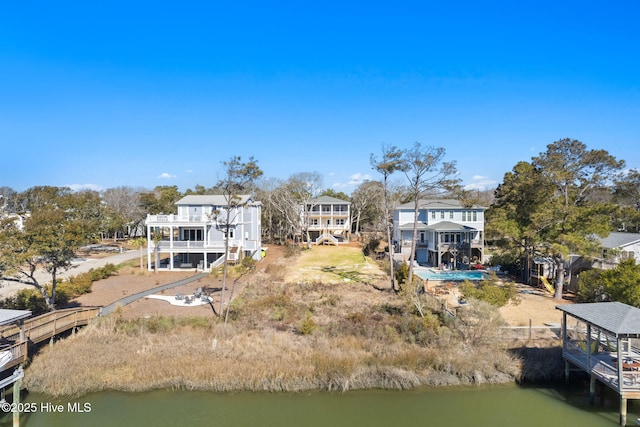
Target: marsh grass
x,y
282,337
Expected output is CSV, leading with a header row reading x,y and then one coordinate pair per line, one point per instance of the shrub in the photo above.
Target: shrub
x,y
490,291
307,325
402,273
31,299
291,250
371,246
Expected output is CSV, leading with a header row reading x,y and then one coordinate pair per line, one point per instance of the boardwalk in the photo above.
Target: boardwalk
x,y
40,328
44,327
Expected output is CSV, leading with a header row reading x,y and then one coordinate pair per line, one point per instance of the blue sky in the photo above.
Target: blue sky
x,y
149,93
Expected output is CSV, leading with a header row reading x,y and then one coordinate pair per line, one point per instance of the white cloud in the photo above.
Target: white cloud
x,y
481,183
189,170
81,187
358,178
166,175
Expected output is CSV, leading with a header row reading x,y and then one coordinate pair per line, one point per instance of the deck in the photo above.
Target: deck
x,y
40,328
604,368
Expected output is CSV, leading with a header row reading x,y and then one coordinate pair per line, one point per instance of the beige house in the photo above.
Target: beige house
x,y
328,220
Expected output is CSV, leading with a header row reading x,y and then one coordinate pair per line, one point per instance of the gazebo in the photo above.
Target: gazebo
x,y
603,340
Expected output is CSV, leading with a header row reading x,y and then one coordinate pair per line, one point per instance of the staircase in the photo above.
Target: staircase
x,y
327,238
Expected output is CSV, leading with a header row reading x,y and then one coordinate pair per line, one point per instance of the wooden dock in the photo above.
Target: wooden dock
x,y
603,340
40,328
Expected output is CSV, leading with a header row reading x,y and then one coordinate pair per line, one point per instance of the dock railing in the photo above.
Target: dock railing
x,y
41,328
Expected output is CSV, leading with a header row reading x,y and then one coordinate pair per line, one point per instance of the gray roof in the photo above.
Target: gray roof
x,y
409,226
448,226
11,316
209,199
330,200
619,240
620,319
437,204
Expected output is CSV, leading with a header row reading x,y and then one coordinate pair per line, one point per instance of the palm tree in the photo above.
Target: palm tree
x,y
139,242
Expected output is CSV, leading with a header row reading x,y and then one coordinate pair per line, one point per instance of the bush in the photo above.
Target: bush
x,y
590,287
66,290
291,250
490,291
307,325
371,246
402,273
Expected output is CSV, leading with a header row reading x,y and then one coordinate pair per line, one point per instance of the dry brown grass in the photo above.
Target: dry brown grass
x,y
354,337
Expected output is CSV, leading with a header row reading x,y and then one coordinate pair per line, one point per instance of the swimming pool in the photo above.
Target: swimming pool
x,y
454,276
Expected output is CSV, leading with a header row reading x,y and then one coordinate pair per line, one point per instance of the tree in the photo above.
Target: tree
x,y
9,201
627,195
386,165
509,222
238,179
570,220
60,222
123,210
548,206
367,205
161,200
303,188
140,243
427,173
618,284
330,192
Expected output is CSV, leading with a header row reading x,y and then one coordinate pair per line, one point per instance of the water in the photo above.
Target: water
x,y
454,276
484,407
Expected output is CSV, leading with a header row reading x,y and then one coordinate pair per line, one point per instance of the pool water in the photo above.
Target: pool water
x,y
454,276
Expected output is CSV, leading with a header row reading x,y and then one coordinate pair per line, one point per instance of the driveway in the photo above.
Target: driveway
x,y
80,265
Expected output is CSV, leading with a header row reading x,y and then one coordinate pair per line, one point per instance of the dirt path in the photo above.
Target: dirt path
x,y
535,305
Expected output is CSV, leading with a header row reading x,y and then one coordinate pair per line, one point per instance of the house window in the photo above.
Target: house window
x,y
433,214
231,233
441,214
326,209
192,235
313,221
450,214
475,215
627,254
340,221
422,237
464,215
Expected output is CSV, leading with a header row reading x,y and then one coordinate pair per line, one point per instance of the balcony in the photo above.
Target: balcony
x,y
191,220
316,227
187,246
328,214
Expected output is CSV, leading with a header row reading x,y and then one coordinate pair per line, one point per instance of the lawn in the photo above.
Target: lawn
x,y
333,264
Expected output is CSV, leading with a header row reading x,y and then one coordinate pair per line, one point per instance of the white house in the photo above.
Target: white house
x,y
448,232
328,220
616,247
195,237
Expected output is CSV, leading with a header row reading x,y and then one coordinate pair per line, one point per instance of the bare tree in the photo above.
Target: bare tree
x,y
238,178
390,162
304,187
367,203
124,211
